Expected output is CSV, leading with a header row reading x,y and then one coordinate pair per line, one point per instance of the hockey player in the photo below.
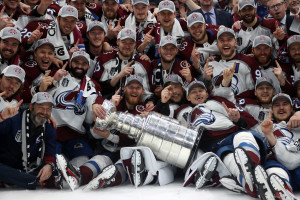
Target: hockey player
x,y
78,98
240,151
11,85
9,47
252,26
203,37
111,15
95,45
268,67
166,25
113,67
27,143
140,19
40,70
243,78
293,46
172,96
94,172
284,144
62,33
169,64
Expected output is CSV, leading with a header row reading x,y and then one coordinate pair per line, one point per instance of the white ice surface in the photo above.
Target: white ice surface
x,y
173,191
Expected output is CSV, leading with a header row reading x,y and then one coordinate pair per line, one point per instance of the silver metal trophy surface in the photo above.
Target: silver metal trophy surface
x,y
170,140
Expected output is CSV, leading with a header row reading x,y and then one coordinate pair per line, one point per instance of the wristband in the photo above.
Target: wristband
x,y
1,117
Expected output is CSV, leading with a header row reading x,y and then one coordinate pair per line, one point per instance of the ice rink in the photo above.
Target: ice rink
x,y
173,191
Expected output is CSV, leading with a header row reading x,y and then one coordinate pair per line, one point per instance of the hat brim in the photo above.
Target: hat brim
x,y
169,9
9,36
140,2
189,25
281,97
13,75
46,43
245,6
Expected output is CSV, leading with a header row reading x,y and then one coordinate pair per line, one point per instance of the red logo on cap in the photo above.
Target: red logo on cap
x,y
134,76
17,70
169,77
166,3
128,31
12,31
295,37
81,52
168,37
194,16
262,38
46,95
69,9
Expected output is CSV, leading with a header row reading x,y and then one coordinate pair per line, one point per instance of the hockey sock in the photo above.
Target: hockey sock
x,y
93,168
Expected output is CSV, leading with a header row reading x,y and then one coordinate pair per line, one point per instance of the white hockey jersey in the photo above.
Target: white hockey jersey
x,y
68,111
285,139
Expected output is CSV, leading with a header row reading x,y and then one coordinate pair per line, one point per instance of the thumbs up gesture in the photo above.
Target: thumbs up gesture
x,y
35,35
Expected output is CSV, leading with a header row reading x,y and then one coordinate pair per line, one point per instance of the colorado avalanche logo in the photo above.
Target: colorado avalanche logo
x,y
12,31
66,101
140,108
201,115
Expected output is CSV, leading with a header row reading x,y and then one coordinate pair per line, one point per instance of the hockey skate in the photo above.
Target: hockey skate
x,y
246,168
280,188
207,172
103,180
232,184
68,171
137,169
261,181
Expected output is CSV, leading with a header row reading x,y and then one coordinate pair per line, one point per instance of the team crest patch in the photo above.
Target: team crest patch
x,y
30,63
78,145
140,108
201,115
18,136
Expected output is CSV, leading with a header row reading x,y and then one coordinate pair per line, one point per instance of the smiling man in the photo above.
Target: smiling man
x,y
113,67
62,32
10,40
76,97
167,25
37,68
27,162
202,35
243,79
252,26
11,85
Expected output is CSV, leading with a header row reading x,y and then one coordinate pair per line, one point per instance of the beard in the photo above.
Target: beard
x,y
37,120
248,21
133,101
76,74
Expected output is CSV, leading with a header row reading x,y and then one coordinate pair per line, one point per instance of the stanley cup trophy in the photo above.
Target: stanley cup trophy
x,y
170,140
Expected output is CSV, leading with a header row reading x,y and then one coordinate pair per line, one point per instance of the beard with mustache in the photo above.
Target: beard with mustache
x,y
37,118
76,74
